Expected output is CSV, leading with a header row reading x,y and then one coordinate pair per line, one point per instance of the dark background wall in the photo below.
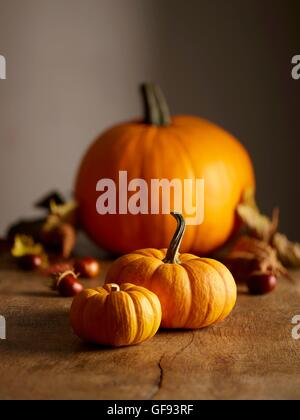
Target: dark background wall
x,y
73,67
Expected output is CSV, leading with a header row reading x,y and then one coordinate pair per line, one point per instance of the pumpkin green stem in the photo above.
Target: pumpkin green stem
x,y
172,253
156,108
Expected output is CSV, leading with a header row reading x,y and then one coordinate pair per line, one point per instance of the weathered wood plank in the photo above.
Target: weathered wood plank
x,y
250,355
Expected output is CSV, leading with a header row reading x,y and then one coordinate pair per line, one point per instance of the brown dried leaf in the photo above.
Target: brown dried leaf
x,y
60,238
265,229
259,225
249,255
288,252
44,203
68,235
241,265
66,213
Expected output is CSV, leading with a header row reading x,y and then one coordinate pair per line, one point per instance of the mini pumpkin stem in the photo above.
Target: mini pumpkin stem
x,y
156,107
171,257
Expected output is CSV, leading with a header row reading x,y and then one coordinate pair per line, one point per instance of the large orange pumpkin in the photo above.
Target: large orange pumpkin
x,y
194,292
164,147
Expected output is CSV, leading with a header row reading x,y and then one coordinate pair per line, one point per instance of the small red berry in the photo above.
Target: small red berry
x,y
67,284
87,267
261,283
30,262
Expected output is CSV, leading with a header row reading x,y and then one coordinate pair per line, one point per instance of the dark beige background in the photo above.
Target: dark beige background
x,y
73,67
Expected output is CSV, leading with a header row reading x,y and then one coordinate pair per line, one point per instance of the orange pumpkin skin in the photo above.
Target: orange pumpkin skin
x,y
196,293
188,148
116,318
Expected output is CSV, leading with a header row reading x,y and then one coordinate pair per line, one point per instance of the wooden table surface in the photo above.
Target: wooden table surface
x,y
251,355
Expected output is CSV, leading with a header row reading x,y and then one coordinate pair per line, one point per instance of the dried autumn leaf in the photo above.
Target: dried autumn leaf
x,y
288,252
67,234
60,238
58,232
44,203
265,229
260,226
249,198
25,245
249,255
241,265
66,213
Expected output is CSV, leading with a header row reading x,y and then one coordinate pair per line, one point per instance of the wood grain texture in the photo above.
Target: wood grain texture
x,y
251,355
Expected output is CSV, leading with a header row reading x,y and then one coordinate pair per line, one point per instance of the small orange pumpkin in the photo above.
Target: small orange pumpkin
x,y
194,292
116,316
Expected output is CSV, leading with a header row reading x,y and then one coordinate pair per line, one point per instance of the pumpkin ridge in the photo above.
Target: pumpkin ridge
x,y
188,157
128,314
159,166
150,280
139,310
142,253
159,292
191,274
128,139
155,174
151,298
137,164
114,136
105,310
136,311
148,149
192,128
94,298
150,258
225,287
115,280
155,312
81,314
114,271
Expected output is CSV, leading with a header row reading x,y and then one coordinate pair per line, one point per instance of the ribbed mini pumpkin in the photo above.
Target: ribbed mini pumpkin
x,y
194,292
116,315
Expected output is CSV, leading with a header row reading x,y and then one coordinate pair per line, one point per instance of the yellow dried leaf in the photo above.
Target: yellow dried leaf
x,y
25,245
66,213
